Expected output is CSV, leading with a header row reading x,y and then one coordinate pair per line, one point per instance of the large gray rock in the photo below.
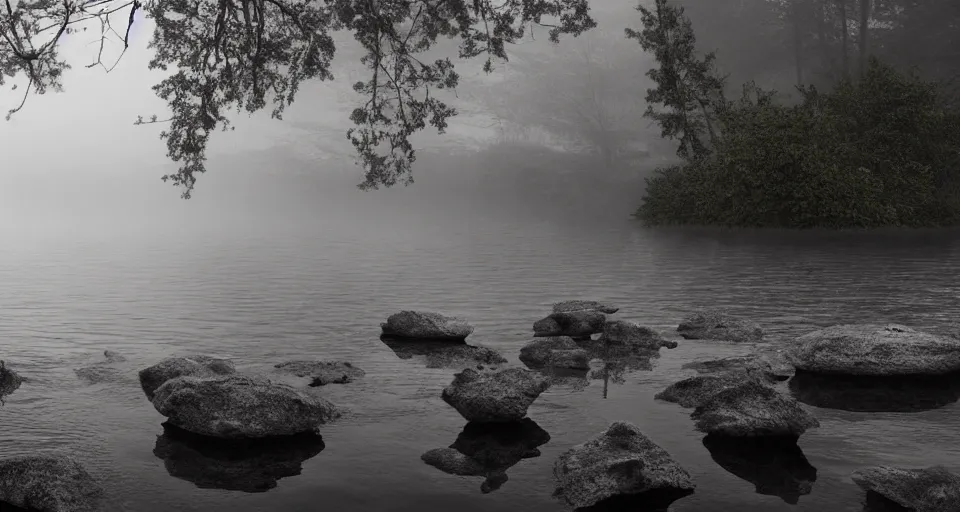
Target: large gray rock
x,y
771,367
48,483
238,406
620,461
875,349
622,332
568,306
9,380
154,376
934,489
425,325
321,373
752,409
496,396
555,352
714,324
576,324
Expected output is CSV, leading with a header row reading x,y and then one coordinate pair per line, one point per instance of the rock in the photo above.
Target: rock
x,y
574,324
9,380
113,357
445,355
875,349
555,352
103,371
622,332
48,483
238,406
424,325
752,409
867,393
499,396
715,324
322,373
568,306
694,391
934,489
619,461
154,376
775,465
489,449
246,465
770,367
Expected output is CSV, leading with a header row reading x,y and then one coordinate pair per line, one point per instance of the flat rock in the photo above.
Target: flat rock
x,y
48,483
875,349
555,352
773,367
934,489
623,332
752,409
714,324
444,354
239,406
425,325
9,380
574,323
494,396
620,461
694,391
154,376
568,306
102,371
322,373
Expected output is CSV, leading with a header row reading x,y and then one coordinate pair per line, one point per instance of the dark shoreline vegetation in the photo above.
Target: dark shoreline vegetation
x,y
239,429
881,149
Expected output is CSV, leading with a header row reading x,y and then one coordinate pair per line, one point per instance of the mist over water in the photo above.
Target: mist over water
x,y
267,264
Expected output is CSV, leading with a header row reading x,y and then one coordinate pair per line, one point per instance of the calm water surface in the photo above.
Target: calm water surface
x,y
273,282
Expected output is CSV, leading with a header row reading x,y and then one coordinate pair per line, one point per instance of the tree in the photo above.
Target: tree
x,y
243,54
687,86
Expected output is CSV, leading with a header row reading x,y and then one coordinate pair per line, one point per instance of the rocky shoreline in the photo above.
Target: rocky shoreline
x,y
746,406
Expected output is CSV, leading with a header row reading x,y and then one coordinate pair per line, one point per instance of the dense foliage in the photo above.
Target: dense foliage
x,y
875,151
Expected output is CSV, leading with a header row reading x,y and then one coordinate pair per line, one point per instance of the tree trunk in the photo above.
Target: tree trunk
x,y
864,34
844,38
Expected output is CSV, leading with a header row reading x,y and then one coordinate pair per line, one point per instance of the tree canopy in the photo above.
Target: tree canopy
x,y
246,55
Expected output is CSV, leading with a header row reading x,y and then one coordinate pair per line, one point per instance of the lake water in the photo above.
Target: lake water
x,y
273,275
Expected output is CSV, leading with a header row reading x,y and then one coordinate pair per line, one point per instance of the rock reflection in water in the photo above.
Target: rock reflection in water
x,y
875,502
651,501
488,450
775,465
248,466
875,394
444,354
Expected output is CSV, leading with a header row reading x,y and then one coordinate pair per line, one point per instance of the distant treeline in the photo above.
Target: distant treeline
x,y
866,140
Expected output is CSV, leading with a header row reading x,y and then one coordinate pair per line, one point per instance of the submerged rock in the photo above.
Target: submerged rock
x,y
714,324
488,450
576,324
237,406
48,483
9,380
865,393
322,373
934,489
773,368
694,391
568,306
154,376
620,461
498,396
445,355
234,465
752,409
425,325
622,332
875,349
102,371
555,352
775,465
